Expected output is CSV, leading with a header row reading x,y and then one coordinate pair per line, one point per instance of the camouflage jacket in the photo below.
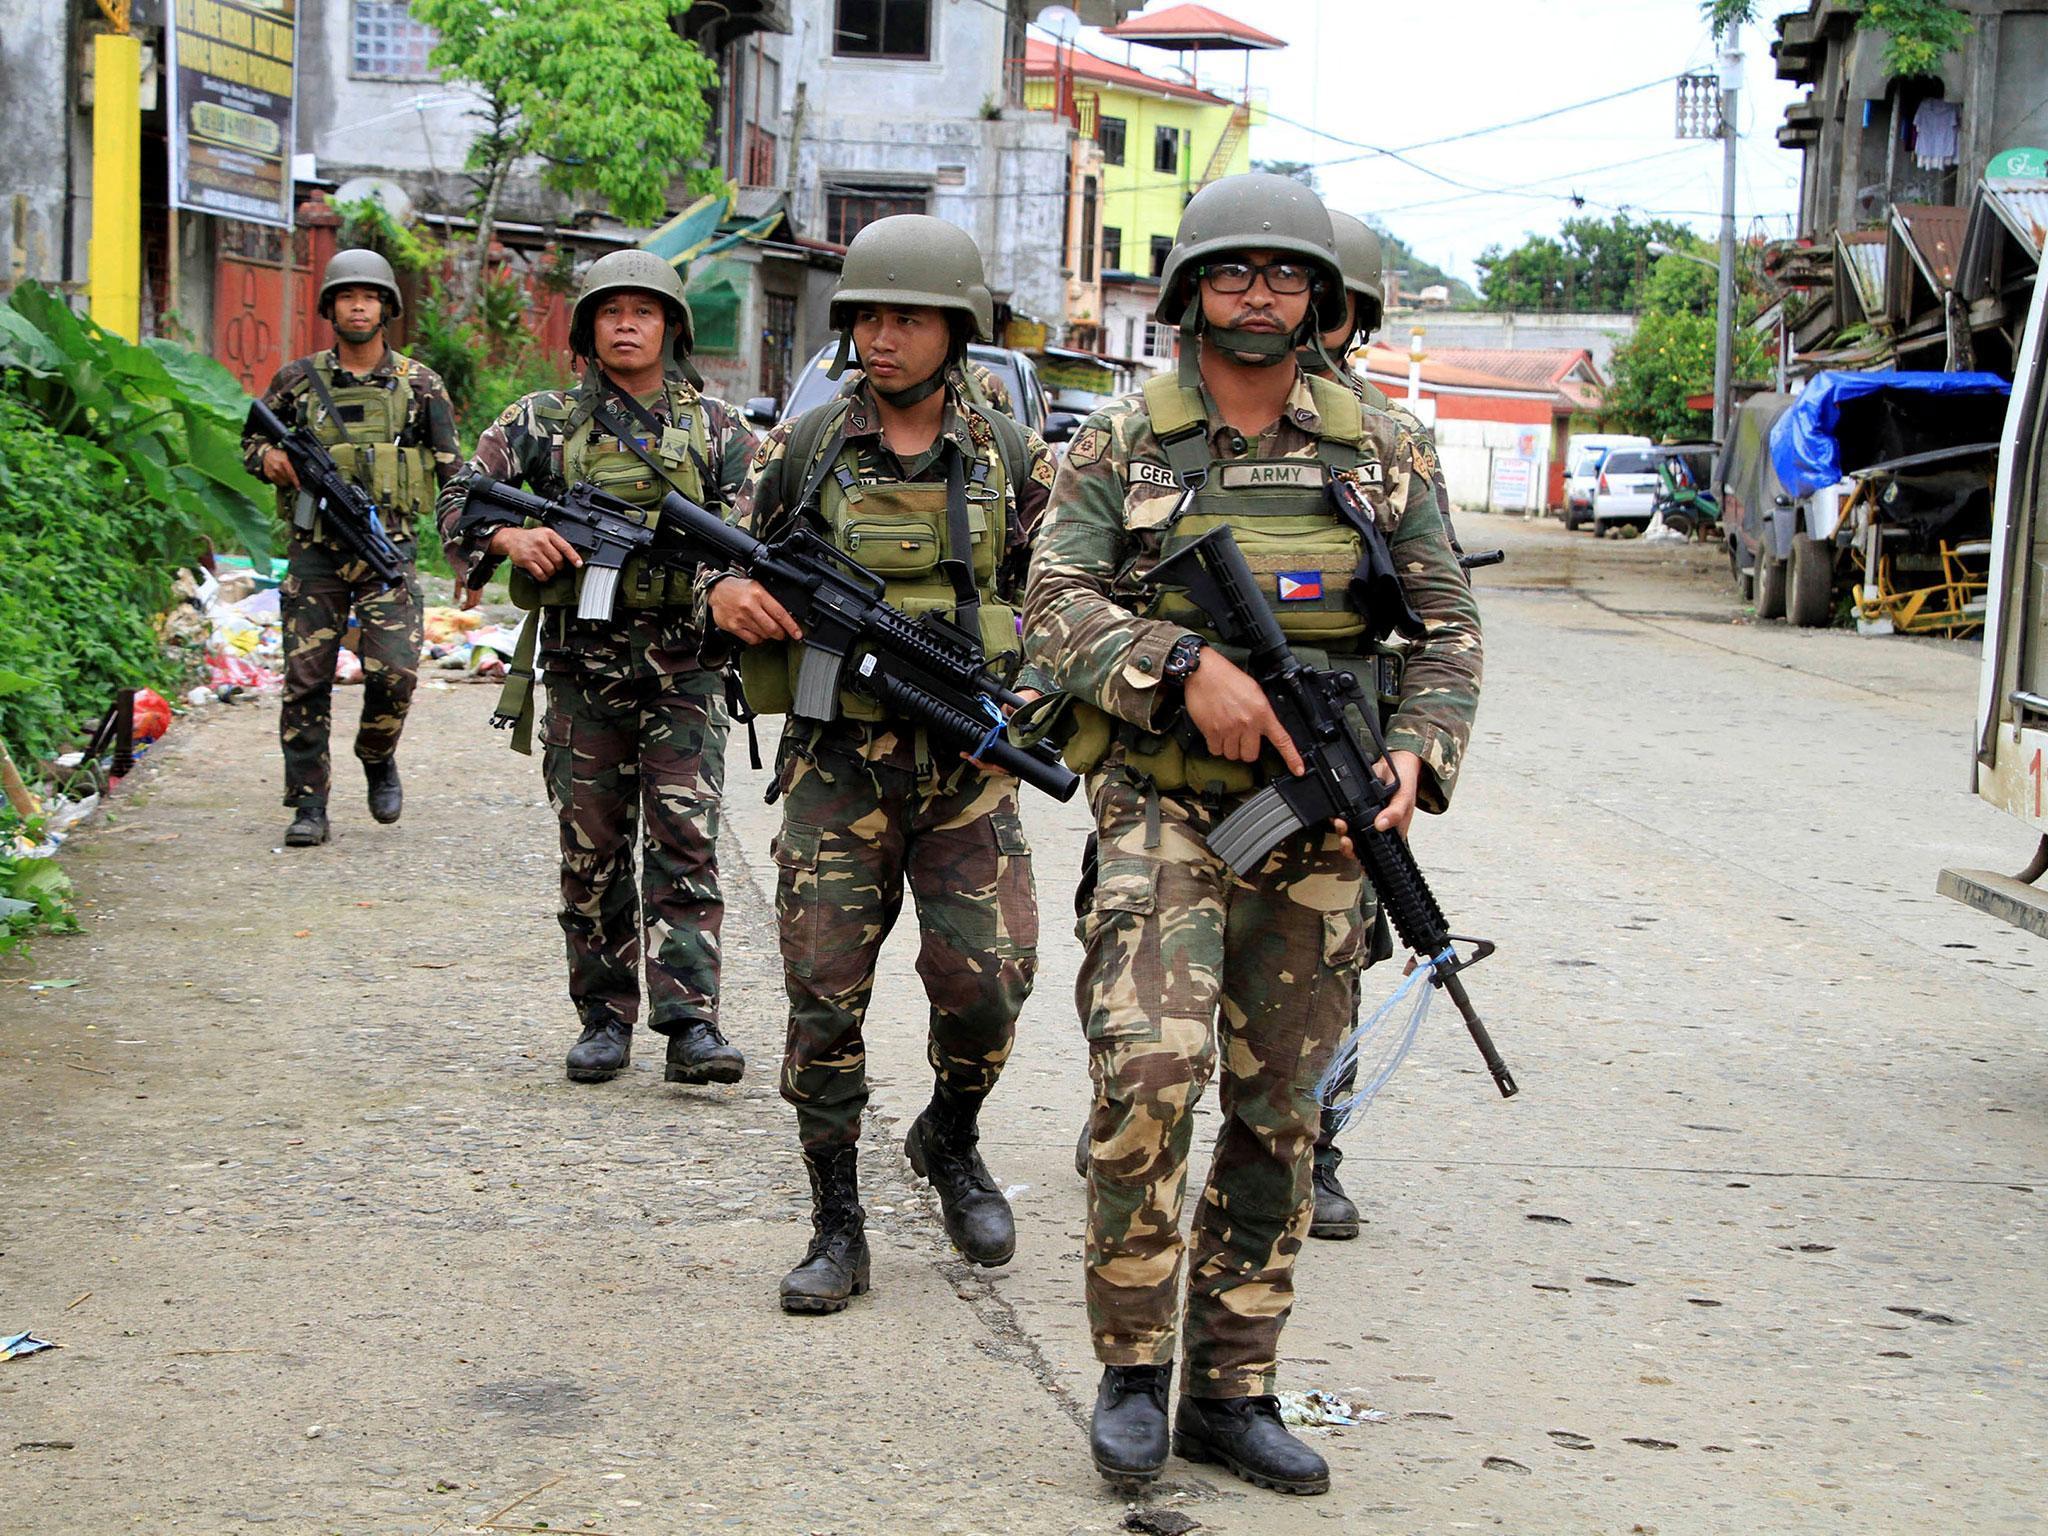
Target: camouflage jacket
x,y
993,389
1370,394
760,508
523,448
429,424
1105,528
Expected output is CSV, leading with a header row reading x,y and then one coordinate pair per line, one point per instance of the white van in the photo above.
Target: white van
x,y
1584,454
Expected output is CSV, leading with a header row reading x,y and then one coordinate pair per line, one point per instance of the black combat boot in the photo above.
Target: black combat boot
x,y
1127,1435
309,825
603,1051
387,799
1336,1217
1245,1435
835,1266
698,1053
941,1148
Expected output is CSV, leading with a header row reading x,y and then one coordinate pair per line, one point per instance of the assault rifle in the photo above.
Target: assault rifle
x,y
1316,708
600,527
344,508
929,670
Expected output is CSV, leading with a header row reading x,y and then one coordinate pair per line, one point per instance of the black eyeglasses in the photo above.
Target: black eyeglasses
x,y
1280,276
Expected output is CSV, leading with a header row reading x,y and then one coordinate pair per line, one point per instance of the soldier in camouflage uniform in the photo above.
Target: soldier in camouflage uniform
x,y
899,467
1188,970
386,420
633,740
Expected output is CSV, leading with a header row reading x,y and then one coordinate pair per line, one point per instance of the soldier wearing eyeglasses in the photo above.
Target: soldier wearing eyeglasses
x,y
1189,971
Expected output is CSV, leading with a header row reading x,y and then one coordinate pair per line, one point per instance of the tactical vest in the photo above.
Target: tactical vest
x,y
1302,550
592,454
897,529
362,435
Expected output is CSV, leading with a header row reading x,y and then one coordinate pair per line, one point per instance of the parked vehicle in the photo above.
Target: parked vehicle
x,y
1018,374
1584,453
1625,490
1751,497
1882,463
1685,499
2010,757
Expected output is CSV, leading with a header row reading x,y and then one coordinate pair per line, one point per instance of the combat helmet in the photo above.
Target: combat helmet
x,y
913,258
1251,212
1363,261
359,267
643,272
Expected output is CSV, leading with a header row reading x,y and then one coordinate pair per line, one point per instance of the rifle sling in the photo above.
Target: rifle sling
x,y
327,403
960,546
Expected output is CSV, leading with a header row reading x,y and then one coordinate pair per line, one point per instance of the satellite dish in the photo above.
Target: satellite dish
x,y
381,190
1060,21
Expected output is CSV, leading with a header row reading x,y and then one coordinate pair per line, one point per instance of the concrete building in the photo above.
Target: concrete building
x,y
1478,330
1500,418
917,106
1899,175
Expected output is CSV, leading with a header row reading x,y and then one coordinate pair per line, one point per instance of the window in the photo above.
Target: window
x,y
1109,134
849,210
388,43
1159,339
883,29
1161,244
1088,229
1112,248
1166,150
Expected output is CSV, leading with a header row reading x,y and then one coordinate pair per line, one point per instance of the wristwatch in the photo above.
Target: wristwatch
x,y
1183,658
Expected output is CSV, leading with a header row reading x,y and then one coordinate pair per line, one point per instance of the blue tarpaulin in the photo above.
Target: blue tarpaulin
x,y
1804,450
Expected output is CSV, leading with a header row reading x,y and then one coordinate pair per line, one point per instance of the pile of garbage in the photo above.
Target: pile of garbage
x,y
230,616
466,642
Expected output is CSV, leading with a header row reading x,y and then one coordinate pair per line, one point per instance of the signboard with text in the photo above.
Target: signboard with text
x,y
1514,484
231,76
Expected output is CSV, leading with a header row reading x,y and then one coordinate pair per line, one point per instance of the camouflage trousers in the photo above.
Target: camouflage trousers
x,y
314,604
1187,969
853,831
645,756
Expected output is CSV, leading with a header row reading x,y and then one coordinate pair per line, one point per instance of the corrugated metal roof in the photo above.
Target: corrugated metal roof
x,y
1861,254
1933,233
2008,210
1541,367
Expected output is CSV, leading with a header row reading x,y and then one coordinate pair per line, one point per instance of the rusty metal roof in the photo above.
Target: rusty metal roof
x,y
2007,208
1933,233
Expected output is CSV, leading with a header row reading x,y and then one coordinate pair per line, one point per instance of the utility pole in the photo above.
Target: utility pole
x,y
1724,326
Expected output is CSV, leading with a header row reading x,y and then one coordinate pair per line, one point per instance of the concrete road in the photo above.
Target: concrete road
x,y
331,1246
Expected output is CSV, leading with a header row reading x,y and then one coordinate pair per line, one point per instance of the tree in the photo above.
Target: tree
x,y
606,92
1670,357
1917,32
1593,264
1293,170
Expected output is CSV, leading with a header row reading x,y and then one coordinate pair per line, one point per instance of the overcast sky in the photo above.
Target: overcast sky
x,y
1390,76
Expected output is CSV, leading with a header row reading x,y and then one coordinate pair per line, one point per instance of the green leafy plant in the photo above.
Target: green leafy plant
x,y
607,94
168,418
368,223
1917,32
35,895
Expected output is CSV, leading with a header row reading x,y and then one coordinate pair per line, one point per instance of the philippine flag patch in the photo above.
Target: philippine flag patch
x,y
1301,586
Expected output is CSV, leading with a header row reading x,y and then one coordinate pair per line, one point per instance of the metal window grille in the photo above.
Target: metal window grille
x,y
850,210
1109,133
388,42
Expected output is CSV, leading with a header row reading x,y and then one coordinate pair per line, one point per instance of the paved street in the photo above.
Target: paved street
x,y
331,1246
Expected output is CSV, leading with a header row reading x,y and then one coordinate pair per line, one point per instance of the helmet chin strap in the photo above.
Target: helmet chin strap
x,y
1256,349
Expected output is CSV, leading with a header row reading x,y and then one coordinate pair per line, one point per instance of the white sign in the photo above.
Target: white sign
x,y
1514,484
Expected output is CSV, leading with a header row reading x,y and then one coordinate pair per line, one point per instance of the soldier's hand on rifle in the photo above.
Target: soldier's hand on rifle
x,y
467,596
540,552
746,609
1231,711
1404,778
1027,695
278,468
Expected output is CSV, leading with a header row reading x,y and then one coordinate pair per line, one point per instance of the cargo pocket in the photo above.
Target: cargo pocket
x,y
1016,896
558,757
796,896
1122,983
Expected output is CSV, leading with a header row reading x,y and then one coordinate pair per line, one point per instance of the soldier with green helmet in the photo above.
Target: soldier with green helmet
x,y
387,422
1187,970
633,739
938,495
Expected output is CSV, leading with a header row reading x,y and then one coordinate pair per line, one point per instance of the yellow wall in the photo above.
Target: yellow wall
x,y
1136,199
